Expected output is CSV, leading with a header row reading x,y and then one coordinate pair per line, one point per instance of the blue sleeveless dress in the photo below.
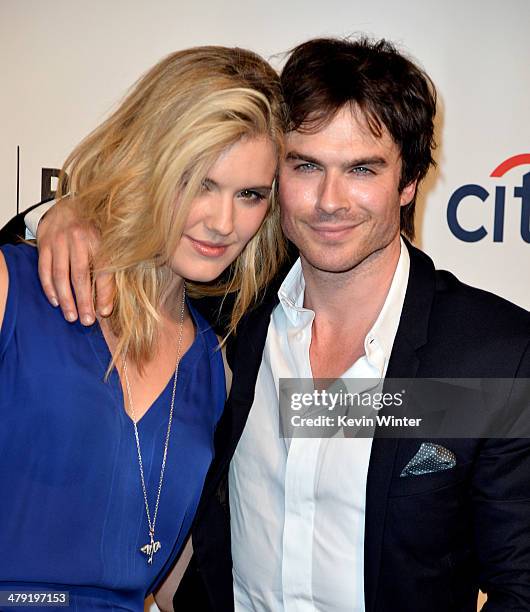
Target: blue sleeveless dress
x,y
72,514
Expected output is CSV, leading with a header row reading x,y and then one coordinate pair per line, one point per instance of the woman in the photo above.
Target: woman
x,y
103,458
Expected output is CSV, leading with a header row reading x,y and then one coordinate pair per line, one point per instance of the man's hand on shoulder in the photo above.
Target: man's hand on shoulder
x,y
66,248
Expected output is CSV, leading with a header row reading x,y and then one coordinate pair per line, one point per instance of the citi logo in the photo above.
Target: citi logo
x,y
496,224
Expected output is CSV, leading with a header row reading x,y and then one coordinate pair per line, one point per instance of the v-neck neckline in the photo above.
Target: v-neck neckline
x,y
104,356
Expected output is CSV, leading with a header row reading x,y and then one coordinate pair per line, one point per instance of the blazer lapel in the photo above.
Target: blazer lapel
x,y
404,363
247,361
244,358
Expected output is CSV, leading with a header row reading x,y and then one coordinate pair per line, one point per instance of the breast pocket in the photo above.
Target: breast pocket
x,y
424,483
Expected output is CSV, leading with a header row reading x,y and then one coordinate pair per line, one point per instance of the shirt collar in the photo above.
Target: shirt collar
x,y
380,339
381,336
291,293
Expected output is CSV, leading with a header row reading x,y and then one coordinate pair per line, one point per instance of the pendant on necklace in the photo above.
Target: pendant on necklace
x,y
151,548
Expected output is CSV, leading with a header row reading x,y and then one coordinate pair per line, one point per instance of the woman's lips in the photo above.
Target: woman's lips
x,y
207,248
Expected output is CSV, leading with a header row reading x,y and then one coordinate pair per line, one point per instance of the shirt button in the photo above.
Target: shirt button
x,y
300,335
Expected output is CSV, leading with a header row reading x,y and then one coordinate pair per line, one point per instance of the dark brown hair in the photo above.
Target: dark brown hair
x,y
323,75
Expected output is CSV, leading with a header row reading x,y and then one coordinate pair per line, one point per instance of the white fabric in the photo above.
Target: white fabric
x,y
297,506
33,218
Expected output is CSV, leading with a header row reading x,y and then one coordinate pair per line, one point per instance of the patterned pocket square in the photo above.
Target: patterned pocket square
x,y
429,459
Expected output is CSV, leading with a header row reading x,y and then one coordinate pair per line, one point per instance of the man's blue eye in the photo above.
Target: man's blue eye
x,y
306,167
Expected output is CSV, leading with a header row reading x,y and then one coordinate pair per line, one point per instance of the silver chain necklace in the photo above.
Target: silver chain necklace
x,y
154,545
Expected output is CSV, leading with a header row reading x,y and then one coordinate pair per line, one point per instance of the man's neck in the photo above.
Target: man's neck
x,y
346,306
364,287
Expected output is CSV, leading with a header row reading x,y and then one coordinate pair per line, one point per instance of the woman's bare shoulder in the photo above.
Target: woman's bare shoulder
x,y
4,284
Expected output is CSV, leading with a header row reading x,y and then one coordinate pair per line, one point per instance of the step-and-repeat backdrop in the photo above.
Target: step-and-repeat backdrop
x,y
64,66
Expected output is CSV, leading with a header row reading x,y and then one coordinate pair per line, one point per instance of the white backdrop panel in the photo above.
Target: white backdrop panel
x,y
65,64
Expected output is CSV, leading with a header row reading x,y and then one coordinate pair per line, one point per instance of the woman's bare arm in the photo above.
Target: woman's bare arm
x,y
164,594
4,284
228,371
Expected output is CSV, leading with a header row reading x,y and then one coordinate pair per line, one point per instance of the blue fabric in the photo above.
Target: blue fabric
x,y
72,514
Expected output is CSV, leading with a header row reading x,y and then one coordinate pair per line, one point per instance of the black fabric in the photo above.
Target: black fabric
x,y
192,592
14,230
428,548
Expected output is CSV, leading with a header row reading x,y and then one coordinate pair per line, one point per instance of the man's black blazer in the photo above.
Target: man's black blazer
x,y
431,540
14,230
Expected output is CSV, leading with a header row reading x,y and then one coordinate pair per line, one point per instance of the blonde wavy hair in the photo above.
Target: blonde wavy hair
x,y
160,143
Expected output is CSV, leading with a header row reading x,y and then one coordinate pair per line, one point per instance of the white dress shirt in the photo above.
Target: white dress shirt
x,y
33,218
297,506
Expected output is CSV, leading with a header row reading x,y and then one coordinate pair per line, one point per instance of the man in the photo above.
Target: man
x,y
332,524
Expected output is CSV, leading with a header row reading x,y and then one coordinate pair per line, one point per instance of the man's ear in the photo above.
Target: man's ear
x,y
407,193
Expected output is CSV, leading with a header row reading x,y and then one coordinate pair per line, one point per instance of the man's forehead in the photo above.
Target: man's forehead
x,y
350,117
348,130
